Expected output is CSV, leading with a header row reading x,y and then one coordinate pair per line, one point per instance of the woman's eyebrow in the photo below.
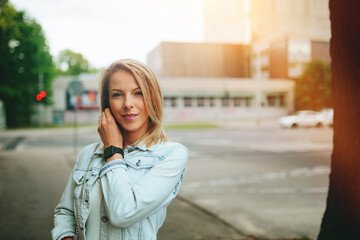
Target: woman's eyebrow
x,y
119,90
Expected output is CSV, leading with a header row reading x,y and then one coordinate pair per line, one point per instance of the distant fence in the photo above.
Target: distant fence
x,y
173,115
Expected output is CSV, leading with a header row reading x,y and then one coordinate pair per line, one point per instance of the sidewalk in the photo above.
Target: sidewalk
x,y
41,181
185,219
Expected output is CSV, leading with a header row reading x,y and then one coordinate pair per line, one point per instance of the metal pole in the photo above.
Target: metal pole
x,y
258,100
75,130
41,106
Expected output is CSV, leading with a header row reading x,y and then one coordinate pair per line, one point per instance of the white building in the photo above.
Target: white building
x,y
186,99
213,99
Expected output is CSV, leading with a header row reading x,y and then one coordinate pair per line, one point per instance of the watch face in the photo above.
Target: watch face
x,y
109,151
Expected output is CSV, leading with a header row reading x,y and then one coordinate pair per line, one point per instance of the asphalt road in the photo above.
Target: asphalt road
x,y
268,181
262,180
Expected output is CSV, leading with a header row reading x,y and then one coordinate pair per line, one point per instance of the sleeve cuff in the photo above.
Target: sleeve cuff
x,y
118,163
66,234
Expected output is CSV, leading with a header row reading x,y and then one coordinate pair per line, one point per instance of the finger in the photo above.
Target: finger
x,y
108,114
101,118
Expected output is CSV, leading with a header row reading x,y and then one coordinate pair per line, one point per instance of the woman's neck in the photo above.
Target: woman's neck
x,y
130,138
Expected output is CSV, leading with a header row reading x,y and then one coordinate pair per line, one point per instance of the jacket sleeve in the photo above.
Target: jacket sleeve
x,y
64,218
127,204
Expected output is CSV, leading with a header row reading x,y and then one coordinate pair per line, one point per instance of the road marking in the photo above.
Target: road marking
x,y
212,142
315,190
272,190
259,190
285,147
194,154
258,178
12,144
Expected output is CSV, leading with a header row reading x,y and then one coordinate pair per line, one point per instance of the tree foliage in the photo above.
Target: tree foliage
x,y
2,2
313,88
71,63
24,56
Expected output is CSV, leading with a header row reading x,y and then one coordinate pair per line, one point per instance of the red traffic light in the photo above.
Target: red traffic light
x,y
41,95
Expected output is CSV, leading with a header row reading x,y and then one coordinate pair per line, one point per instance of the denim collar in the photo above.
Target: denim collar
x,y
100,148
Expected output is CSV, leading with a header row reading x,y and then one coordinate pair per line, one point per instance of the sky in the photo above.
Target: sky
x,y
108,30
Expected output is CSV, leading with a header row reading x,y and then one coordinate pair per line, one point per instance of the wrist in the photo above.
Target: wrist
x,y
114,157
112,152
115,145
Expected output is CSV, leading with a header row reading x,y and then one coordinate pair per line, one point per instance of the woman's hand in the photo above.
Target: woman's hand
x,y
109,131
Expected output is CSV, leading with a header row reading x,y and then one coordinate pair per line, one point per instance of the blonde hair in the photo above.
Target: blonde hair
x,y
153,98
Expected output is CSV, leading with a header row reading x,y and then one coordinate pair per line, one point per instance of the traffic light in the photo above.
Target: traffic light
x,y
40,97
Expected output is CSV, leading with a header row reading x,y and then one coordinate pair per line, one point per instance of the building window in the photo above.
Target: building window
x,y
187,101
200,101
299,52
276,100
238,101
271,101
173,102
242,101
225,101
211,101
282,100
166,102
170,102
248,101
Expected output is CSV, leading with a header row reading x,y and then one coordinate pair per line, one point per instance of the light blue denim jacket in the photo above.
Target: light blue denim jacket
x,y
136,191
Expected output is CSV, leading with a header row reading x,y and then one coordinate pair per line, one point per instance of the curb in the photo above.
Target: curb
x,y
211,214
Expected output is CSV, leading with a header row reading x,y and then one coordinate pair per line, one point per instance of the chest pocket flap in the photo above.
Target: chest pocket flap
x,y
79,176
142,162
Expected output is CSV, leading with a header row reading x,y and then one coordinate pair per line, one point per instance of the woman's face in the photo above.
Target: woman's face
x,y
127,103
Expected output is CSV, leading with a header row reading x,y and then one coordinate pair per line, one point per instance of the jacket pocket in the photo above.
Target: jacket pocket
x,y
142,163
79,178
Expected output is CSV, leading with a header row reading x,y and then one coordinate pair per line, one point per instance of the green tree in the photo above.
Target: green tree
x,y
24,56
2,2
71,63
313,88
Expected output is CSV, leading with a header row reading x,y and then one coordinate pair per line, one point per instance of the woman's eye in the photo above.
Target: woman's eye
x,y
138,93
116,95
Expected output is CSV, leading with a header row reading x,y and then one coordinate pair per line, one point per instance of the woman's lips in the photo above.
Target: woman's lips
x,y
129,116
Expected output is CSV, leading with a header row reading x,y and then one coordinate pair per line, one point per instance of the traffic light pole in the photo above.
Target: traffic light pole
x,y
75,136
41,106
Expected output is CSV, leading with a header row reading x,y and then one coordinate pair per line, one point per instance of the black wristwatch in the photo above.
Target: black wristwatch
x,y
109,151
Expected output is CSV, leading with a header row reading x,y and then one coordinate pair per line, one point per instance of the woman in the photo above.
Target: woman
x,y
120,189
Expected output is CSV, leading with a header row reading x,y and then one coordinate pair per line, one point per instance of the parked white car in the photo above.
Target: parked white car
x,y
328,114
305,118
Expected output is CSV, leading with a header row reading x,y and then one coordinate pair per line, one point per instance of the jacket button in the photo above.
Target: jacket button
x,y
138,163
104,219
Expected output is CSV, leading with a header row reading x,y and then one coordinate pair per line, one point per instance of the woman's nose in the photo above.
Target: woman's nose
x,y
128,103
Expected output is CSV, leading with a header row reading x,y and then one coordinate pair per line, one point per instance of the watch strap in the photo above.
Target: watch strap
x,y
111,150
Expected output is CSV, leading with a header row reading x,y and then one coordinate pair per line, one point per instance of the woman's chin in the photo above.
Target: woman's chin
x,y
130,127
